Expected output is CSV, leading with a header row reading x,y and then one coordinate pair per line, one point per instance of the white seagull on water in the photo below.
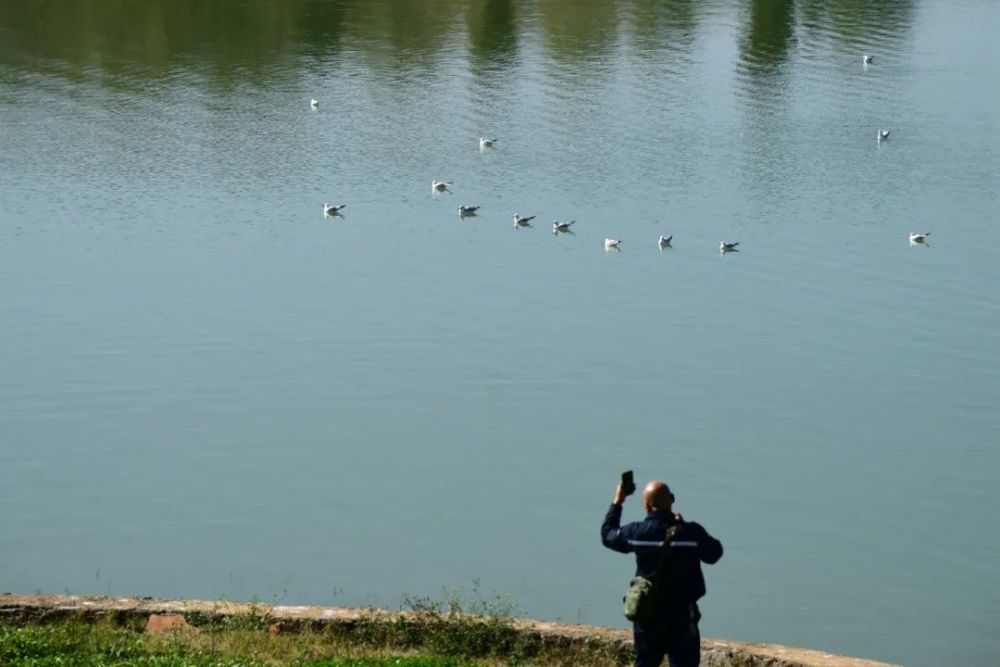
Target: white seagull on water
x,y
882,135
467,210
562,227
440,186
612,244
916,237
486,143
522,222
314,103
330,210
665,241
725,247
867,59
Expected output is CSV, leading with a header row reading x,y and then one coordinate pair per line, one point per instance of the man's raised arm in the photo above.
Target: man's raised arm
x,y
612,534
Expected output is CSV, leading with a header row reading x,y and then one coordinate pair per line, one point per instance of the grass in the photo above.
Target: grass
x,y
73,644
446,632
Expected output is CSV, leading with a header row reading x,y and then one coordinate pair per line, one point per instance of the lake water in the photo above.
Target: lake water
x,y
208,389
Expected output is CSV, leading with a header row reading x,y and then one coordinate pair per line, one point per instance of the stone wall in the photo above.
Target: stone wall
x,y
21,609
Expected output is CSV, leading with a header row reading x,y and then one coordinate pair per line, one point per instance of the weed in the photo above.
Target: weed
x,y
455,629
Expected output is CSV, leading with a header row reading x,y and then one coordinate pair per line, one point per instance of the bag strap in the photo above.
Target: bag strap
x,y
661,563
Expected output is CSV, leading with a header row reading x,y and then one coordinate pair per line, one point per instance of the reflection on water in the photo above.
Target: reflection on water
x,y
584,31
858,24
766,43
236,39
769,33
153,35
666,24
492,32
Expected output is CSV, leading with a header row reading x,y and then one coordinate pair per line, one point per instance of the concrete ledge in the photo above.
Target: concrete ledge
x,y
21,609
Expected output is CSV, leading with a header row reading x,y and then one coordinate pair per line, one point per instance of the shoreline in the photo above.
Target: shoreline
x,y
27,609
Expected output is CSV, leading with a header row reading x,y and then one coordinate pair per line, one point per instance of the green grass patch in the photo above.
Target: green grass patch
x,y
453,630
70,644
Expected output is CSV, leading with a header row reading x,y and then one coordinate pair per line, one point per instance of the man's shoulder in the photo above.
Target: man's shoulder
x,y
691,530
690,527
648,527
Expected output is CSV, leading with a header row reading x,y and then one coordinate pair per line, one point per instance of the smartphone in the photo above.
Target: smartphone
x,y
628,483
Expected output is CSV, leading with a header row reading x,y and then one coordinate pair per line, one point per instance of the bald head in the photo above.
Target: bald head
x,y
657,497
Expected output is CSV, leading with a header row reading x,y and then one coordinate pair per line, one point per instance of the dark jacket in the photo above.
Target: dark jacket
x,y
691,546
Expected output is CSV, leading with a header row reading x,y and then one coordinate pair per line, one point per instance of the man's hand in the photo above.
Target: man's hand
x,y
619,495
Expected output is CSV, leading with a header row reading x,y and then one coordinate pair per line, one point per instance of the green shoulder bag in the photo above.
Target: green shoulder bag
x,y
640,598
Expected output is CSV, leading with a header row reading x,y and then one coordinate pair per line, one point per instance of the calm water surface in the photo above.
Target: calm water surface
x,y
208,389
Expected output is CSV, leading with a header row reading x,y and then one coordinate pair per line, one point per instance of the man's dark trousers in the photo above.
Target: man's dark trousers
x,y
676,638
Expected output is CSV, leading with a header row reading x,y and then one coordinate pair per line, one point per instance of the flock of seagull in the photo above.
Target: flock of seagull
x,y
610,245
464,211
664,242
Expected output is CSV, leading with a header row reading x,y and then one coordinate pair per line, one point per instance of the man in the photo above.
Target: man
x,y
674,632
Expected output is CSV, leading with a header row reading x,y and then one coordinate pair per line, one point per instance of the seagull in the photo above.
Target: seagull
x,y
330,210
725,247
522,222
314,103
882,135
486,143
562,226
467,210
867,59
665,241
919,238
612,244
440,186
